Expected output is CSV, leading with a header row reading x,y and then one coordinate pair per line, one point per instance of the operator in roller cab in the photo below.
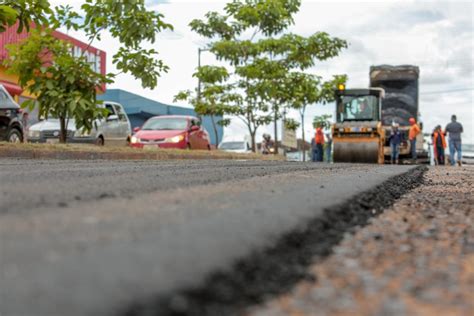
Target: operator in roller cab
x,y
357,133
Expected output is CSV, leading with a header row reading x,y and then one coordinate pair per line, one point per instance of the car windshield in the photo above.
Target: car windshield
x,y
159,124
6,102
232,145
357,108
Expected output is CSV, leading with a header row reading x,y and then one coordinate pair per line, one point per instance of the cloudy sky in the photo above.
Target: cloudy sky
x,y
437,36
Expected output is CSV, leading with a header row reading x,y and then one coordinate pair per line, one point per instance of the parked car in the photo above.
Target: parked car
x,y
11,127
171,131
236,144
113,130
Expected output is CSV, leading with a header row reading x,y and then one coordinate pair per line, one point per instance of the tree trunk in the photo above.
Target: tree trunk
x,y
62,130
275,146
216,133
252,138
303,137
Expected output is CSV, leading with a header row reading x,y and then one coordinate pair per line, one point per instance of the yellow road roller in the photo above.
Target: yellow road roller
x,y
358,135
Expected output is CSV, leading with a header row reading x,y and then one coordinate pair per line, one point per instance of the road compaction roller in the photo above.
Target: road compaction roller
x,y
358,135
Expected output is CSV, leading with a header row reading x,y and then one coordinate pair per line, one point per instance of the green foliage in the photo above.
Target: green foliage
x,y
65,86
25,12
131,24
268,16
291,124
322,121
8,17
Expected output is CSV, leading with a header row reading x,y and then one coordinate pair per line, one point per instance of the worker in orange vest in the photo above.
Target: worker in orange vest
x,y
439,144
414,131
319,145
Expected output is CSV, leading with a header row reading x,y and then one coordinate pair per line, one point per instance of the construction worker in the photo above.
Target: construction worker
x,y
454,129
413,132
439,144
267,144
319,141
395,140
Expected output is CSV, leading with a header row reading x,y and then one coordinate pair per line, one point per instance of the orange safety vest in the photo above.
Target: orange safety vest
x,y
414,130
319,137
435,138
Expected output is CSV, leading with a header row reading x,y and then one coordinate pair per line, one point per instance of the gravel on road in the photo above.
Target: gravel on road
x,y
417,258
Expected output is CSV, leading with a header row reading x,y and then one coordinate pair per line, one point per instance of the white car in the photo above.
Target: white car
x,y
113,130
240,145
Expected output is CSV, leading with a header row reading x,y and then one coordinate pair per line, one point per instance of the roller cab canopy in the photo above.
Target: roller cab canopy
x,y
354,105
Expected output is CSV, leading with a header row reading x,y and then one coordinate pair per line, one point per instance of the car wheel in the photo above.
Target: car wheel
x,y
99,141
14,136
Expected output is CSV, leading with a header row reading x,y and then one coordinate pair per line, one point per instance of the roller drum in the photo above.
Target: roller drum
x,y
358,152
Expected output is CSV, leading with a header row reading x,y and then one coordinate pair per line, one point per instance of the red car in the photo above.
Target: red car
x,y
171,131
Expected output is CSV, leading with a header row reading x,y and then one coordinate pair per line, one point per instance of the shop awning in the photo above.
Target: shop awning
x,y
12,88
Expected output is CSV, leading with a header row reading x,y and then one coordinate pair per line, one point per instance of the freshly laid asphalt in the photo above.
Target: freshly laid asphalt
x,y
93,237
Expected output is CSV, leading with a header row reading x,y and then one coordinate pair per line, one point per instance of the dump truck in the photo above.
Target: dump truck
x,y
364,116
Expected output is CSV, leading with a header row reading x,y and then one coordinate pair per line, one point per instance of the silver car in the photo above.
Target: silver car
x,y
113,130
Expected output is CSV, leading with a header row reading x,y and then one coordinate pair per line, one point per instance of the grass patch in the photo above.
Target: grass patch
x,y
87,151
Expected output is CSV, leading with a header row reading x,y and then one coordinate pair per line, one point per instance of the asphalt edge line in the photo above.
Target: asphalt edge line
x,y
274,271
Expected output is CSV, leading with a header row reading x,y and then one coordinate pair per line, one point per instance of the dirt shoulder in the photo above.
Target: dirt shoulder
x,y
417,258
83,151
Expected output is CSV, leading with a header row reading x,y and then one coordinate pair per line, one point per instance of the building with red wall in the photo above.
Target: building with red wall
x,y
95,56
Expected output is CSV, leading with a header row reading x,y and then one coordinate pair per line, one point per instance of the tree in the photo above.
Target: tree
x,y
249,37
65,85
128,21
211,101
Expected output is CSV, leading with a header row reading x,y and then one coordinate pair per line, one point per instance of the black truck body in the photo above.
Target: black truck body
x,y
401,92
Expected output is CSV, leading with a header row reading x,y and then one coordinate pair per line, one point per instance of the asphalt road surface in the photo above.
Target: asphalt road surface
x,y
93,237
